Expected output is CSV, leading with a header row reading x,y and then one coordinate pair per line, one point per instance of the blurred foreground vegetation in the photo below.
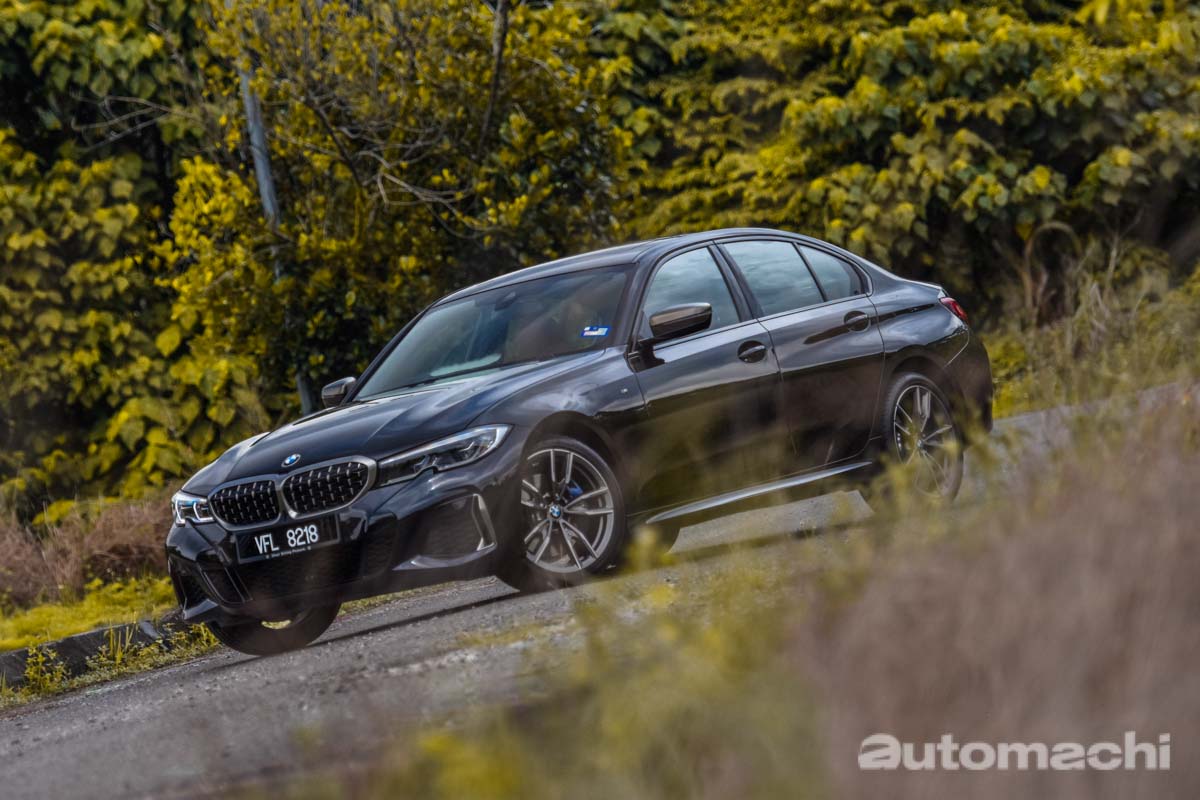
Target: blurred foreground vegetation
x,y
1057,606
1029,155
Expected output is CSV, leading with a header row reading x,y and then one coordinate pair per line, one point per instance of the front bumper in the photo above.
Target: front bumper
x,y
440,526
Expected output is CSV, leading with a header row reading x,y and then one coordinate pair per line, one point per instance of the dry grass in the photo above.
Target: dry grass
x,y
1067,615
1114,340
107,540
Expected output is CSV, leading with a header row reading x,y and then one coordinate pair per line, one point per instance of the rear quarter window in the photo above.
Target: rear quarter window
x,y
837,278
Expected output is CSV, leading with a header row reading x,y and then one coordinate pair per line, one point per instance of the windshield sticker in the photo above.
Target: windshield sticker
x,y
595,330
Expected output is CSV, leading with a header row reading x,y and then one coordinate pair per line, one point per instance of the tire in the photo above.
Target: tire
x,y
260,639
919,428
569,524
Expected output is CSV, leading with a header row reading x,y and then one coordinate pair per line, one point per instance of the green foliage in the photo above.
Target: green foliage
x,y
81,72
44,672
93,393
93,398
391,190
980,144
67,342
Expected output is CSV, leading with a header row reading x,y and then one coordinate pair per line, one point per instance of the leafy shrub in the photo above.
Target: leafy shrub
x,y
44,673
985,145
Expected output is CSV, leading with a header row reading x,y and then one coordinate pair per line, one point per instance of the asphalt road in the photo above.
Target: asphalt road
x,y
227,719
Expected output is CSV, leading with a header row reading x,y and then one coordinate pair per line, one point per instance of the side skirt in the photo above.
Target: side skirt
x,y
709,507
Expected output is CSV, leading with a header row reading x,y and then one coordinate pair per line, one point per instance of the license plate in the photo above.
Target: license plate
x,y
299,537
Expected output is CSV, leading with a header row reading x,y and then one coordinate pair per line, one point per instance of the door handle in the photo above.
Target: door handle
x,y
857,320
752,351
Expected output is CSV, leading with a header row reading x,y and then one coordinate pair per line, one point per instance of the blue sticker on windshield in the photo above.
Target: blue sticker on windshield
x,y
595,330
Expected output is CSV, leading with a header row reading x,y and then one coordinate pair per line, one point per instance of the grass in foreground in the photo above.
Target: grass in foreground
x,y
45,676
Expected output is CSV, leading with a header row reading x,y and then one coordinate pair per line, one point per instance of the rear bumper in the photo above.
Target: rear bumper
x,y
971,371
436,528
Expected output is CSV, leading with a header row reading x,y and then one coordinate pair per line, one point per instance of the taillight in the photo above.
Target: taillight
x,y
955,309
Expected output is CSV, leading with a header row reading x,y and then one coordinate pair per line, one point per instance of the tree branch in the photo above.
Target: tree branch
x,y
499,35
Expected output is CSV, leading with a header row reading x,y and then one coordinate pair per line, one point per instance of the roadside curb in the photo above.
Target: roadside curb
x,y
73,652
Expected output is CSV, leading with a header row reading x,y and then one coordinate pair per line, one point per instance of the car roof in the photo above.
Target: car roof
x,y
630,253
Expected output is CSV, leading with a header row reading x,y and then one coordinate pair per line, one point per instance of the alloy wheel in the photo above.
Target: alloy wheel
x,y
927,439
569,511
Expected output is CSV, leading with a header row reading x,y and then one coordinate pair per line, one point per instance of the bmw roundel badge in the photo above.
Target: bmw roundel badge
x,y
291,460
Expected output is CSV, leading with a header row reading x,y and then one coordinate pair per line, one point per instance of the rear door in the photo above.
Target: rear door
x,y
825,334
712,419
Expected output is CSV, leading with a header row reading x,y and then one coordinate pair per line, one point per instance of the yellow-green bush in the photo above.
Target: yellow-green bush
x,y
984,145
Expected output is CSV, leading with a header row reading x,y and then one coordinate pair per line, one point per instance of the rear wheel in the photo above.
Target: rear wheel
x,y
922,435
259,638
571,518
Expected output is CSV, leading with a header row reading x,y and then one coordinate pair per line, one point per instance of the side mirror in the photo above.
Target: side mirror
x,y
334,393
677,321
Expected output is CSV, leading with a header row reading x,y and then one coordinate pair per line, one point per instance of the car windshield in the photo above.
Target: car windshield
x,y
530,321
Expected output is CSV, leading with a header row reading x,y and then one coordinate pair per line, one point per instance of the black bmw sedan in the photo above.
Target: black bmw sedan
x,y
524,427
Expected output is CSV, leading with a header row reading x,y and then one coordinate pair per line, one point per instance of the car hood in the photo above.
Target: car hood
x,y
380,427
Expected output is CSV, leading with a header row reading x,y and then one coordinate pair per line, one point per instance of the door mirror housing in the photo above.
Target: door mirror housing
x,y
678,321
334,393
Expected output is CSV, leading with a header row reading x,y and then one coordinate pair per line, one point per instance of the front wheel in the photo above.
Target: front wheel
x,y
922,436
258,638
570,525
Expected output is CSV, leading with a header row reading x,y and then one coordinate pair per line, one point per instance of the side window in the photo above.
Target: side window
x,y
837,278
776,274
693,277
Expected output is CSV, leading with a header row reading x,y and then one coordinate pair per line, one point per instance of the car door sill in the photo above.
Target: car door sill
x,y
708,504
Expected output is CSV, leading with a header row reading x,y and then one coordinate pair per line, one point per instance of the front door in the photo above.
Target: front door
x,y
712,421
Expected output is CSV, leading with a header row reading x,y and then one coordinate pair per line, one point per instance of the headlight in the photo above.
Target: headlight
x,y
453,451
189,508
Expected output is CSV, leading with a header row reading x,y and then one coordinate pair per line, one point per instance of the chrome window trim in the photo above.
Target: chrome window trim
x,y
286,513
